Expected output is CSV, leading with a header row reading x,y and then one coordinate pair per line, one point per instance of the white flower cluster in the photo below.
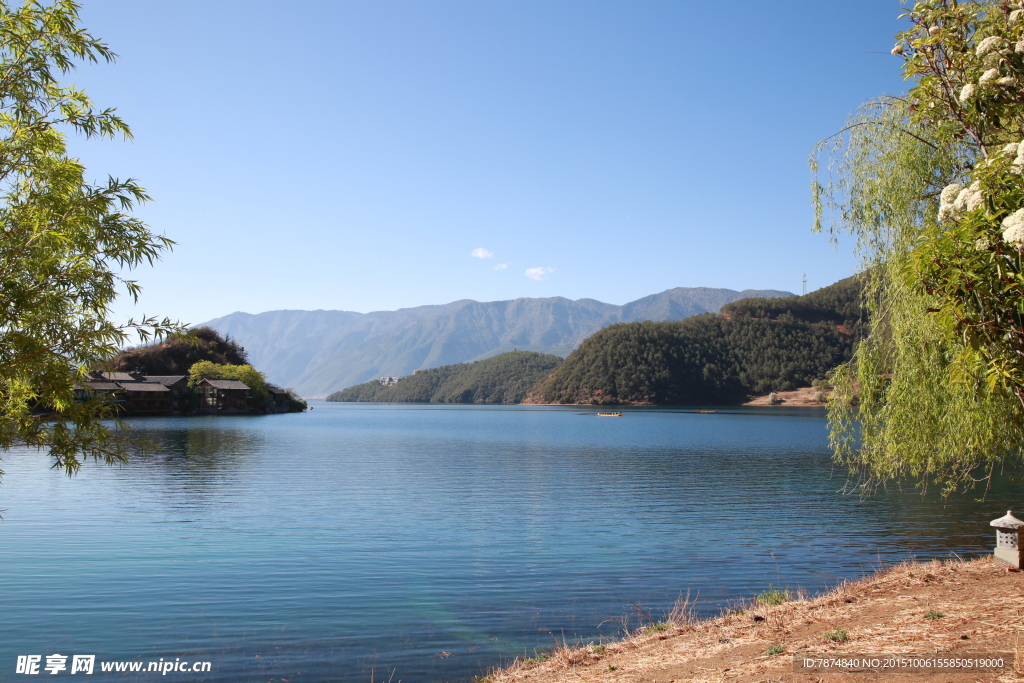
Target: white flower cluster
x,y
967,92
988,76
1013,227
1017,150
971,197
956,199
1016,15
897,49
946,200
990,44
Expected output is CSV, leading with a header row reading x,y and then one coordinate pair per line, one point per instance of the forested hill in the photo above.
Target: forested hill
x,y
837,304
176,356
504,378
754,348
321,351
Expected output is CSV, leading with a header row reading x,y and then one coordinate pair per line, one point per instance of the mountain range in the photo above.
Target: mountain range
x,y
318,352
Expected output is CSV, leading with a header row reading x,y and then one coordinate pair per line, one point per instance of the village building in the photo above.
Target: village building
x,y
139,395
131,392
147,398
136,394
98,387
224,396
177,387
279,400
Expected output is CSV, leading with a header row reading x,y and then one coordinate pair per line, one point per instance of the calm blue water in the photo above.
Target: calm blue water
x,y
427,543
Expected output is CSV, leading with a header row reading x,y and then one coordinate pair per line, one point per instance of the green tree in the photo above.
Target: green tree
x,y
252,378
931,186
65,241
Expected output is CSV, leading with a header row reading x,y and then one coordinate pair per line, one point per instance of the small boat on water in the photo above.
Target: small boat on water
x,y
610,414
707,411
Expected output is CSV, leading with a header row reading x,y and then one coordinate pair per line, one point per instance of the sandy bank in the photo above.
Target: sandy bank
x,y
805,396
981,608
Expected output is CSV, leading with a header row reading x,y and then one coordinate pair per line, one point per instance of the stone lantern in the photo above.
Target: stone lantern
x,y
1009,541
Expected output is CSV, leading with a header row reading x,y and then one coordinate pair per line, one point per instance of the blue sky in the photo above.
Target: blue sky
x,y
355,154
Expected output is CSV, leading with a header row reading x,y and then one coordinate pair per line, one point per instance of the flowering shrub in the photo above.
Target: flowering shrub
x,y
967,59
932,185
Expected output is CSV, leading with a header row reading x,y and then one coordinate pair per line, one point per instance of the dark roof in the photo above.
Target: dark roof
x,y
274,389
100,386
166,380
119,377
144,386
225,383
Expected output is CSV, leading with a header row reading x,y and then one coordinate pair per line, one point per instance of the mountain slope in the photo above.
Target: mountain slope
x,y
754,347
502,379
318,352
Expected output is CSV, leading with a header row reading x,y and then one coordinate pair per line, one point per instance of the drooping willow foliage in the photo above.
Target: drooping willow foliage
x,y
931,187
67,245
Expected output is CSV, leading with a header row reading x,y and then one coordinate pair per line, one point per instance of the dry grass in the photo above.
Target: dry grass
x,y
982,607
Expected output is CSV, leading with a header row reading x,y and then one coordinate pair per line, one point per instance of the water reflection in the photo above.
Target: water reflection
x,y
199,449
193,461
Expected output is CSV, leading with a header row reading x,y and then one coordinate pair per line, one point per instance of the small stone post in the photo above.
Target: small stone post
x,y
1009,541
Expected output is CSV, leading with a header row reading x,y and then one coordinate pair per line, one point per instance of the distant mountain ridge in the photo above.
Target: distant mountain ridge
x,y
318,352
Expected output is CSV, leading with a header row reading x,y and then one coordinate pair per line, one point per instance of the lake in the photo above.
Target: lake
x,y
428,543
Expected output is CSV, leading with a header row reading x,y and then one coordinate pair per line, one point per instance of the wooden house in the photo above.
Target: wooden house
x,y
95,387
177,386
109,390
280,399
224,396
141,395
147,398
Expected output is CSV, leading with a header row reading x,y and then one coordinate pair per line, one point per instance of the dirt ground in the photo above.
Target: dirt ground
x,y
798,397
973,607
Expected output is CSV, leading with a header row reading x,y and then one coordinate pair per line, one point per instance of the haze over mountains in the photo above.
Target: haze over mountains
x,y
318,352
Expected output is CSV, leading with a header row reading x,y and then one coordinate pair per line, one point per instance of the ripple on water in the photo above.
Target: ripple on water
x,y
324,544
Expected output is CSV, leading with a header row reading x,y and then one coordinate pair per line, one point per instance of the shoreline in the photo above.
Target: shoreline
x,y
804,397
972,606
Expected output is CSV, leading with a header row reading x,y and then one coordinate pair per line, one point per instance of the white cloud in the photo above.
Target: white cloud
x,y
501,266
480,252
540,273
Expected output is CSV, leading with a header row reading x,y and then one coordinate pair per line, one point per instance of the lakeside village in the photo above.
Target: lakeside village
x,y
136,395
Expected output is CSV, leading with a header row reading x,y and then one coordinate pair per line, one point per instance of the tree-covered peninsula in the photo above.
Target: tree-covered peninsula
x,y
754,347
196,373
505,378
